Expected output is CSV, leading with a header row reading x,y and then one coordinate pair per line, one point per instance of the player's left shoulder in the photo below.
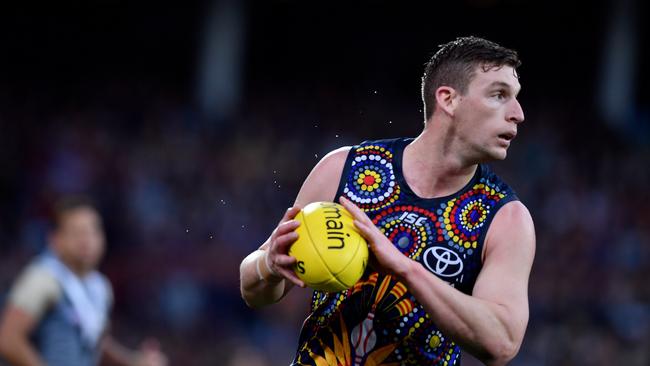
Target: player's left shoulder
x,y
512,227
514,213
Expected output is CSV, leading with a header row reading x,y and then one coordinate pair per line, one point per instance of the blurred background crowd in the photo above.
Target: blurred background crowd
x,y
192,126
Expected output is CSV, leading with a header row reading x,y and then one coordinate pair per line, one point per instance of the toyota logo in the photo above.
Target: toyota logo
x,y
443,262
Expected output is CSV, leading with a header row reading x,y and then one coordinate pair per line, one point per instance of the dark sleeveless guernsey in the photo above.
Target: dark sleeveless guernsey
x,y
378,321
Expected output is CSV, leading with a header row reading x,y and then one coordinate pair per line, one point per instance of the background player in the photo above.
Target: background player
x,y
57,313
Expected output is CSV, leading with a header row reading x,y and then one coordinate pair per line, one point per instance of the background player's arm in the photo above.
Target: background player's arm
x,y
491,323
117,354
271,260
32,295
15,346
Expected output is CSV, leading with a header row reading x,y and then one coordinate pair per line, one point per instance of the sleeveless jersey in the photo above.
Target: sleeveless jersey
x,y
378,321
59,336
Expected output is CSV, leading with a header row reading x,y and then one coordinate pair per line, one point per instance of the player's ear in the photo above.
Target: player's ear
x,y
447,99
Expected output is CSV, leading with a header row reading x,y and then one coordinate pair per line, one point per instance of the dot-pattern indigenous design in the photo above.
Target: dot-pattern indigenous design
x,y
426,342
408,235
461,218
378,321
327,303
371,184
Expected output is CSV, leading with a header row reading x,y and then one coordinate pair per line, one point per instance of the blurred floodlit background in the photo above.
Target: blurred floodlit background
x,y
193,124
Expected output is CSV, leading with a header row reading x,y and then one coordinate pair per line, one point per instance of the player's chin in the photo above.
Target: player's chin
x,y
498,153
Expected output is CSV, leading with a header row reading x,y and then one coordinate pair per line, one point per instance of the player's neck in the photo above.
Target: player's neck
x,y
432,169
75,268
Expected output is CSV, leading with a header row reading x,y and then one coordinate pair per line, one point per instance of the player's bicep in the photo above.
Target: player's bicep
x,y
510,249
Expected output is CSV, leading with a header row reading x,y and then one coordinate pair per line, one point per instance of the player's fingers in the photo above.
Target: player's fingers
x,y
157,360
290,213
354,210
373,236
277,262
285,261
290,275
364,230
286,215
293,211
279,236
286,227
283,242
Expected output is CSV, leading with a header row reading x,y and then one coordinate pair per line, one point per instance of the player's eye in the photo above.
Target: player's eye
x,y
500,95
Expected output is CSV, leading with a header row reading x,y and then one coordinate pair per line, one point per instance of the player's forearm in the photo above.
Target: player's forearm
x,y
255,290
479,326
116,354
18,351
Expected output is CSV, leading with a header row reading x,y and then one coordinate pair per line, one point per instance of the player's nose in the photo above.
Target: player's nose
x,y
515,112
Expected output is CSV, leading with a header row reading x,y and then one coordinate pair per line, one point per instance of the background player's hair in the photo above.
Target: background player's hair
x,y
455,62
67,204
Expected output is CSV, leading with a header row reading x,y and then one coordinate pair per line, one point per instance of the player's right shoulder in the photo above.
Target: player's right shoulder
x,y
334,160
35,289
323,181
36,273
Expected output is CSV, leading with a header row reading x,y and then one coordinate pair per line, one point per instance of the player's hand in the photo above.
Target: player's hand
x,y
150,354
284,235
385,257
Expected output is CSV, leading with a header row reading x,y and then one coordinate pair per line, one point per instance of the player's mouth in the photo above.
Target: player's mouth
x,y
508,136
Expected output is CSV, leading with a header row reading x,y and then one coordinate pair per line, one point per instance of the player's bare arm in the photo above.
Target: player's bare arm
x,y
30,298
266,275
491,323
15,328
148,354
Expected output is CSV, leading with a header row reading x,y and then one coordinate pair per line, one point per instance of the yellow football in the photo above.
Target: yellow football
x,y
331,253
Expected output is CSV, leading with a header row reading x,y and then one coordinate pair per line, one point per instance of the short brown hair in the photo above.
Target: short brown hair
x,y
454,64
68,204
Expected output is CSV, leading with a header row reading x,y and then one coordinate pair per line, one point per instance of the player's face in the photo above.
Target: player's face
x,y
488,113
79,240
